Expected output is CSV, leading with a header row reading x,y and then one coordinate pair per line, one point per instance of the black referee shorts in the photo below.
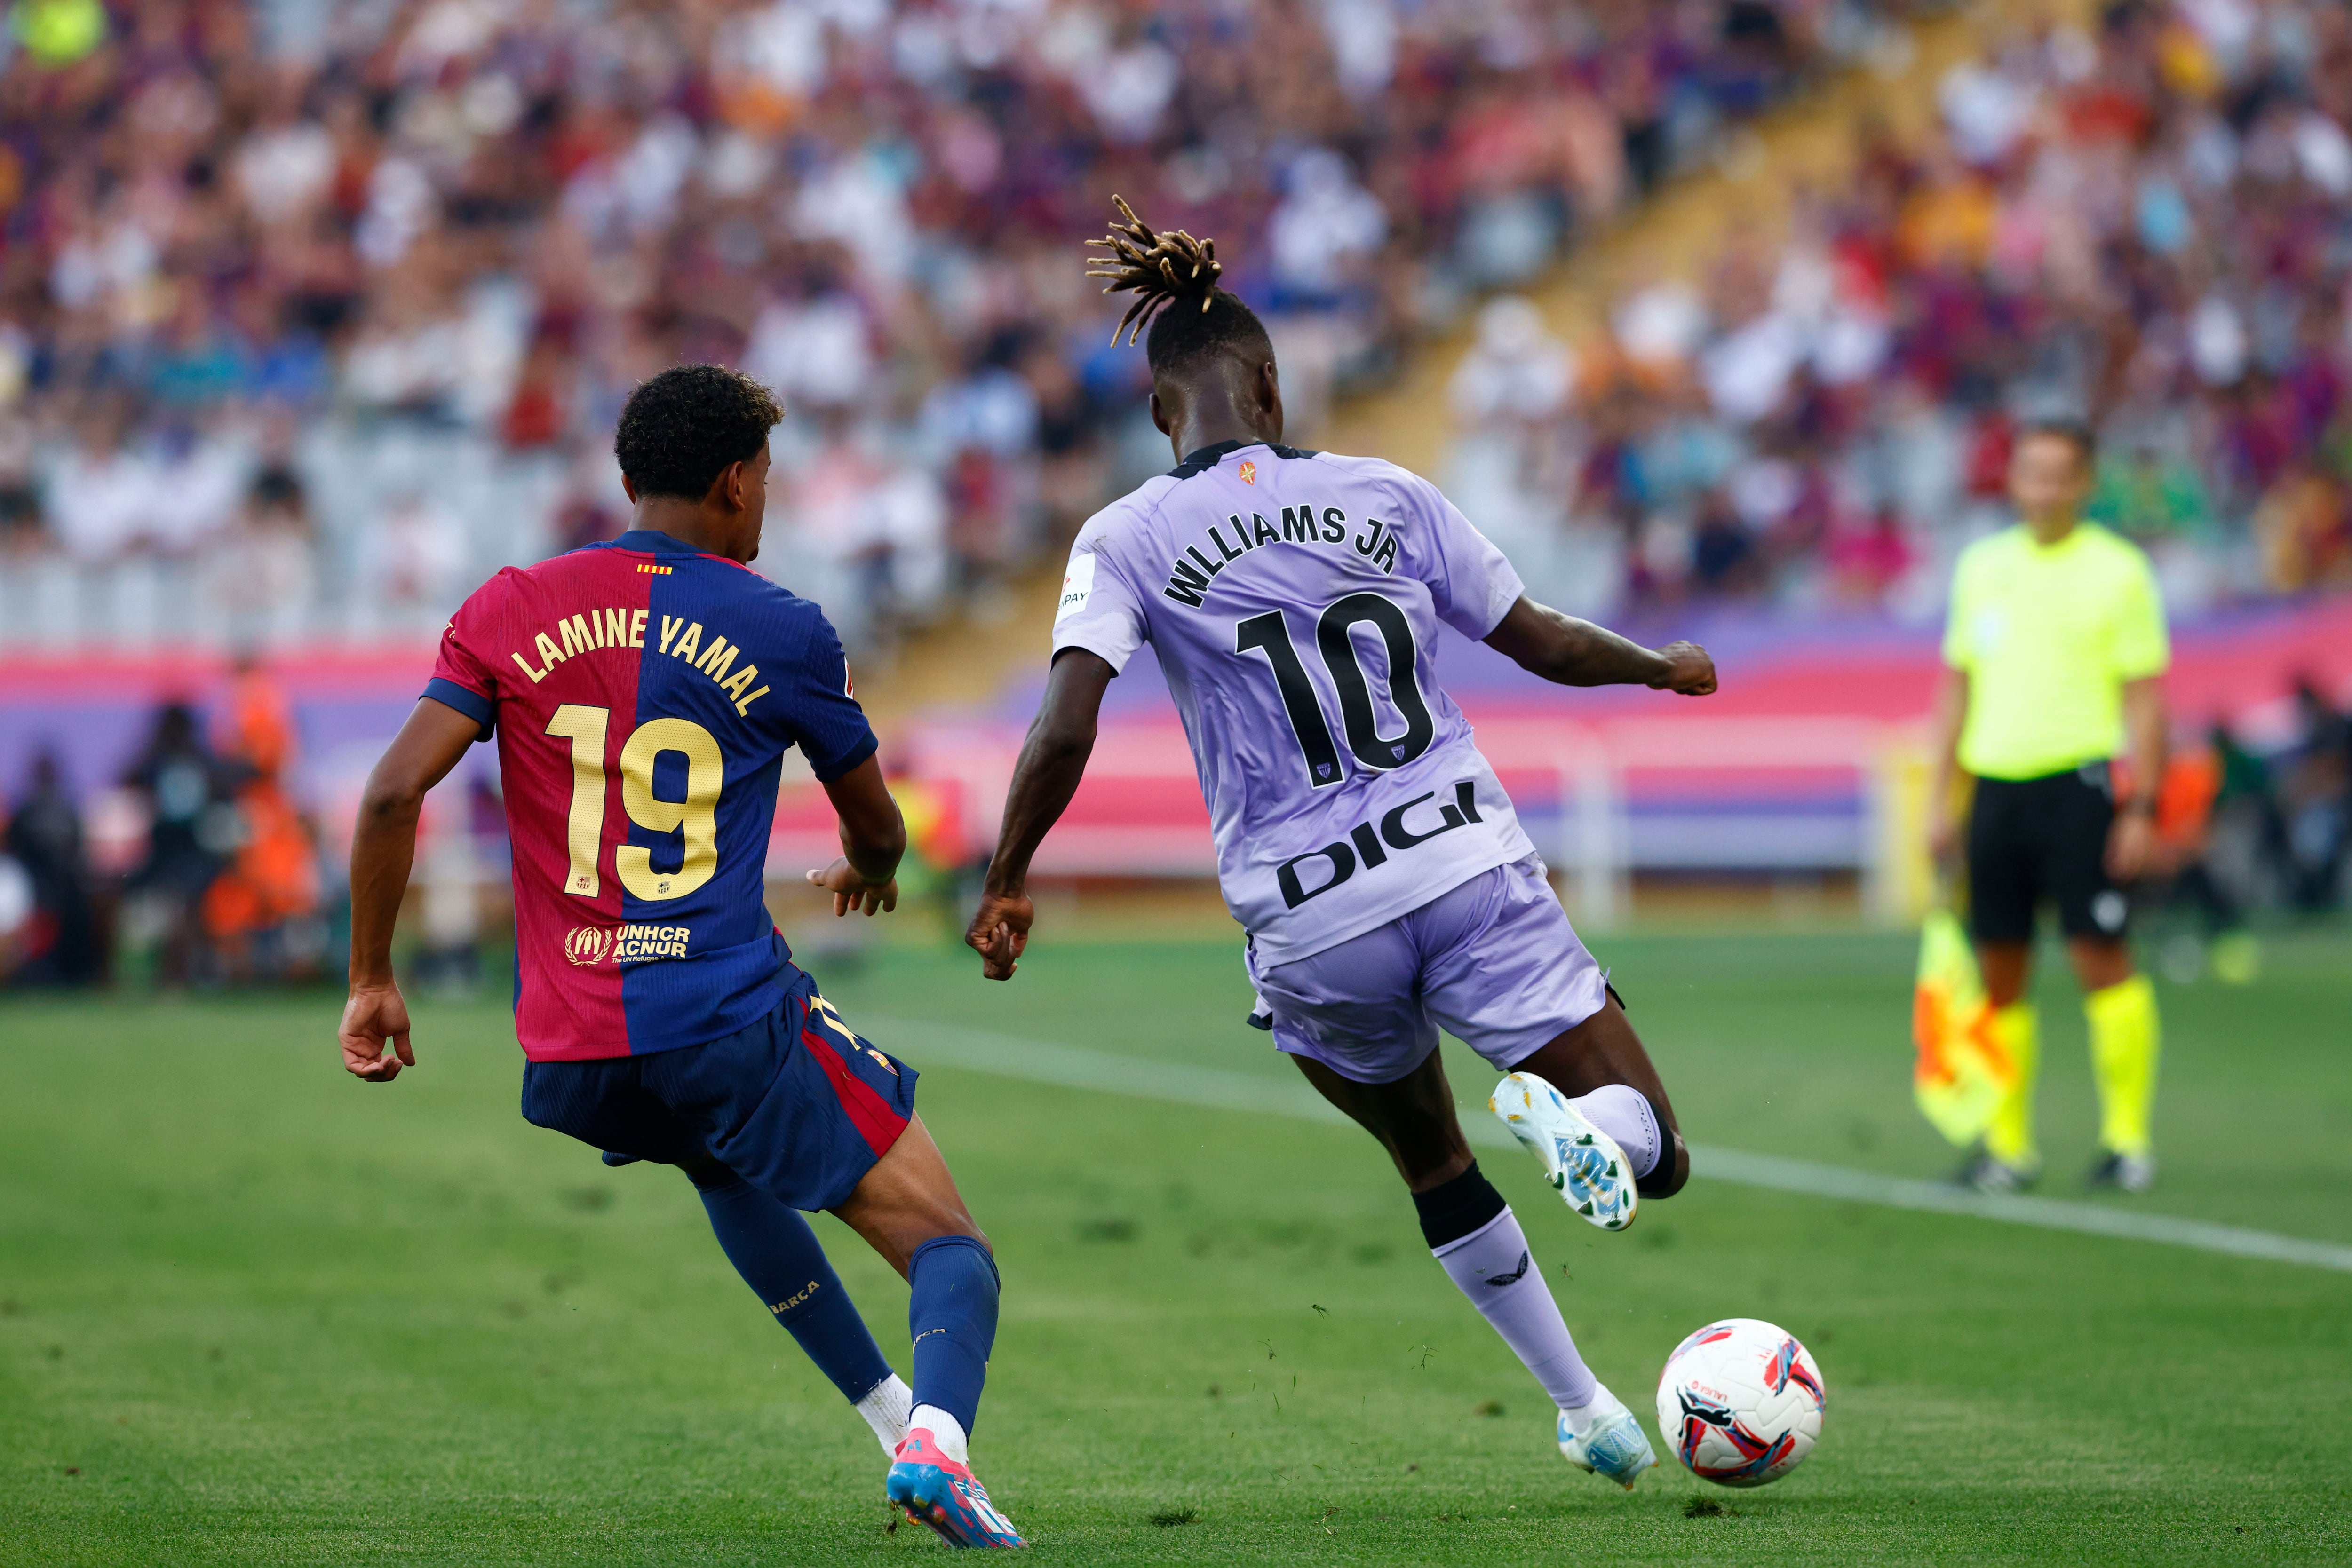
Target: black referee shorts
x,y
2036,839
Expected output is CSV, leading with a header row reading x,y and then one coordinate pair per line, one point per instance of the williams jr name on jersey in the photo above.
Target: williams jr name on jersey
x,y
1293,600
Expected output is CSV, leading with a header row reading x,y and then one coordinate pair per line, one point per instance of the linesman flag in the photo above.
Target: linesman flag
x,y
1962,1073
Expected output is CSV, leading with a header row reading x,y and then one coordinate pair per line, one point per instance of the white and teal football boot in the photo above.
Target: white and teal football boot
x,y
1582,1163
1615,1446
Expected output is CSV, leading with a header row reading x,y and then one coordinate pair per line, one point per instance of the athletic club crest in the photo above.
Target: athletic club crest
x,y
587,945
1247,473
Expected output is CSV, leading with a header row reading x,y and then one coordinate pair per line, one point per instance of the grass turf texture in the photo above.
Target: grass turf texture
x,y
253,1311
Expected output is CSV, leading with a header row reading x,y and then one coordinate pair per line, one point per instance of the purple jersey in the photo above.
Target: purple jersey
x,y
1294,599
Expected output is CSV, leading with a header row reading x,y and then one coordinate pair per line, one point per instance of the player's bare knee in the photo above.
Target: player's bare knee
x,y
956,1221
899,1246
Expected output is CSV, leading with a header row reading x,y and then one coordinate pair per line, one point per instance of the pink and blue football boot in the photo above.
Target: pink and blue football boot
x,y
931,1489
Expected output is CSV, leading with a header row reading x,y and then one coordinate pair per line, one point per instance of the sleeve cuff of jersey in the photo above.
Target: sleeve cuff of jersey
x,y
848,761
1508,592
466,700
1117,660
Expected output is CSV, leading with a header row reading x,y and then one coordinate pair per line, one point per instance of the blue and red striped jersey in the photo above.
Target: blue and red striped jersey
x,y
643,694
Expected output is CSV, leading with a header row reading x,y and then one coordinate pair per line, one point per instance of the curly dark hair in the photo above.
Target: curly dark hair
x,y
1174,279
680,429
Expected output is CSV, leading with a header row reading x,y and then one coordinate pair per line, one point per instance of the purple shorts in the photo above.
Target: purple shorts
x,y
1494,963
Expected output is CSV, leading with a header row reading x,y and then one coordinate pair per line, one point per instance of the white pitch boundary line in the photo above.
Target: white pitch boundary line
x,y
1074,1067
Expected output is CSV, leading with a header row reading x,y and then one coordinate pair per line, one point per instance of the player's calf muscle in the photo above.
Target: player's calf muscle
x,y
1427,1157
908,1198
1413,1118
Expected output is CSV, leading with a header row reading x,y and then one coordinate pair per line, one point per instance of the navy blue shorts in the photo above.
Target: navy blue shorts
x,y
796,1104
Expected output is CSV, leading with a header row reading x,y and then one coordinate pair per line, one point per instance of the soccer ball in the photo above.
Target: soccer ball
x,y
1740,1403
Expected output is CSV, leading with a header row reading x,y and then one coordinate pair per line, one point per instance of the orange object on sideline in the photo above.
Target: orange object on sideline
x,y
275,874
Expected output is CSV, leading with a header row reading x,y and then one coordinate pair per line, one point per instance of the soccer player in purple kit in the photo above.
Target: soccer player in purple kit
x,y
643,694
1293,600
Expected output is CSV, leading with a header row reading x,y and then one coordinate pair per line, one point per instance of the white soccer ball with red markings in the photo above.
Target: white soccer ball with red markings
x,y
1740,1403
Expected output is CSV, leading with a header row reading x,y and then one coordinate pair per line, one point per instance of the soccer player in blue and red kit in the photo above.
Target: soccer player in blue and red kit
x,y
643,694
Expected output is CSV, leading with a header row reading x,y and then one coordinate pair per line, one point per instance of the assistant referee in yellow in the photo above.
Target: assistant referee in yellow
x,y
2055,648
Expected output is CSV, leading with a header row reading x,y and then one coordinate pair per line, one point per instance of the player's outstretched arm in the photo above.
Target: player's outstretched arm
x,y
382,845
1572,653
873,841
1053,760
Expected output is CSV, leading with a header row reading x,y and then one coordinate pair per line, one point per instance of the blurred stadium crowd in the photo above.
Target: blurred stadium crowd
x,y
2149,227
312,314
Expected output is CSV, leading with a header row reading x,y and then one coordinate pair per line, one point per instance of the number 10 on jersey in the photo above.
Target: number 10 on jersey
x,y
1269,633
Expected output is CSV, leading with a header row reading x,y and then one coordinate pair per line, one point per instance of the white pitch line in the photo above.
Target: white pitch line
x,y
2049,1214
1074,1067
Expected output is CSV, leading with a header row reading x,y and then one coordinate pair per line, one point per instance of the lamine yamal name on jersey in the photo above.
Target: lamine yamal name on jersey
x,y
614,627
1189,575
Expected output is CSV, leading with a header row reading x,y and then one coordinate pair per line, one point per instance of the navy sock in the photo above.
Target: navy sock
x,y
952,1313
1453,1210
778,1256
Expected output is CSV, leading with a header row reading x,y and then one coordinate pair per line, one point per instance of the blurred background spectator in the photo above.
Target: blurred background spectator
x,y
220,878
190,828
311,314
2144,225
2315,800
50,912
260,912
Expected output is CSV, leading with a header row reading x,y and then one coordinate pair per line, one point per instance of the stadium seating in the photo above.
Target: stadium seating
x,y
2134,227
318,314
316,317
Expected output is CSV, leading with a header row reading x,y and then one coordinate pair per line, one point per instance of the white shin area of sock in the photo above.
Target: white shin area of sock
x,y
1620,1111
1493,1266
885,1407
945,1430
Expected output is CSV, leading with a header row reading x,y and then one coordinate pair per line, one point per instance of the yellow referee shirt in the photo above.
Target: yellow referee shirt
x,y
2047,636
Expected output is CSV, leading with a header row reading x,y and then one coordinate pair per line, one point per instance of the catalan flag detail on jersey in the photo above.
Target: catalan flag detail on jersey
x,y
1964,1071
643,694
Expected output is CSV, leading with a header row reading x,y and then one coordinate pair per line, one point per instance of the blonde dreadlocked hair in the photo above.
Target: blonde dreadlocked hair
x,y
1168,270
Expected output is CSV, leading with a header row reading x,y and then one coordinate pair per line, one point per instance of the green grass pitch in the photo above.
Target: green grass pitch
x,y
252,1312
